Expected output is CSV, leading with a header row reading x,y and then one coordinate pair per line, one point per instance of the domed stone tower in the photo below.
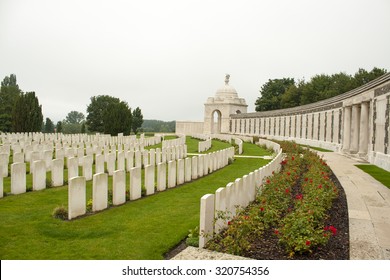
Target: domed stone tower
x,y
218,108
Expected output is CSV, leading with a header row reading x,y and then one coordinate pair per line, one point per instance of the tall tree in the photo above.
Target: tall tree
x,y
59,127
137,120
271,93
75,117
9,93
117,119
49,126
27,114
362,76
96,111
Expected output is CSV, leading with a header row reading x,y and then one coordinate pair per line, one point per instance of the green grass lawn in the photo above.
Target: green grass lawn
x,y
142,229
378,173
317,149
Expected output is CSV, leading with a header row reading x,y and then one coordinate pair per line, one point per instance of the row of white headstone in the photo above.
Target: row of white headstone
x,y
28,138
169,175
236,194
153,156
174,142
121,161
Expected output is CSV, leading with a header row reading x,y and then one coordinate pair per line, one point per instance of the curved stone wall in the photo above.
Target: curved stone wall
x,y
356,123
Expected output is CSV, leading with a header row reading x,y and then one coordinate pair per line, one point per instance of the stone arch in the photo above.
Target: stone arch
x,y
216,121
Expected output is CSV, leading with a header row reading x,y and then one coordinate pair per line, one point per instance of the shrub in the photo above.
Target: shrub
x,y
89,205
60,212
292,203
193,237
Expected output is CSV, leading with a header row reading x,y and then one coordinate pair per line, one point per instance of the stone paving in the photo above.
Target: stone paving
x,y
368,209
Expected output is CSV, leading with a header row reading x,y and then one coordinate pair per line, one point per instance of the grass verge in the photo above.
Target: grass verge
x,y
378,173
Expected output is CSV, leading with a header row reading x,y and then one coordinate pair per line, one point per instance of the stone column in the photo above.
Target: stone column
x,y
347,129
355,129
363,138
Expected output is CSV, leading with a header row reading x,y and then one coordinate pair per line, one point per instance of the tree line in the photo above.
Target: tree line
x,y
21,112
286,92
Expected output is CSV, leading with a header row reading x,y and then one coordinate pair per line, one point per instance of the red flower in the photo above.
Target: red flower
x,y
311,180
292,158
229,223
333,230
288,173
306,179
261,209
299,196
246,217
320,186
268,181
273,172
308,242
287,191
276,231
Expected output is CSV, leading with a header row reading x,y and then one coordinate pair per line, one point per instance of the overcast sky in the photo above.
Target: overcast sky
x,y
167,57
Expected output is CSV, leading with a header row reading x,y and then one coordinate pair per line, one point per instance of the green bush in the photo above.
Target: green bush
x,y
193,237
60,212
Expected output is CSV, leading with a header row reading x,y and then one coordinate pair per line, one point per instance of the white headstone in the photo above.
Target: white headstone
x,y
161,176
180,171
39,175
87,167
188,169
206,164
152,157
119,187
171,174
111,163
18,178
18,157
230,199
194,165
76,197
99,163
138,160
135,183
57,172
129,160
200,166
220,205
121,160
73,168
149,179
206,219
33,157
158,155
48,157
80,155
4,160
99,191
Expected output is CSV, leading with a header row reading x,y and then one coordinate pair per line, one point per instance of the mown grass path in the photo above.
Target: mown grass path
x,y
142,229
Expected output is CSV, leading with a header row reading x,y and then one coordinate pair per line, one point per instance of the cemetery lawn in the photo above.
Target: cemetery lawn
x,y
378,173
142,229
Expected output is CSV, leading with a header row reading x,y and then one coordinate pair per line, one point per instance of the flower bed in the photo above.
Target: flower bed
x,y
292,210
